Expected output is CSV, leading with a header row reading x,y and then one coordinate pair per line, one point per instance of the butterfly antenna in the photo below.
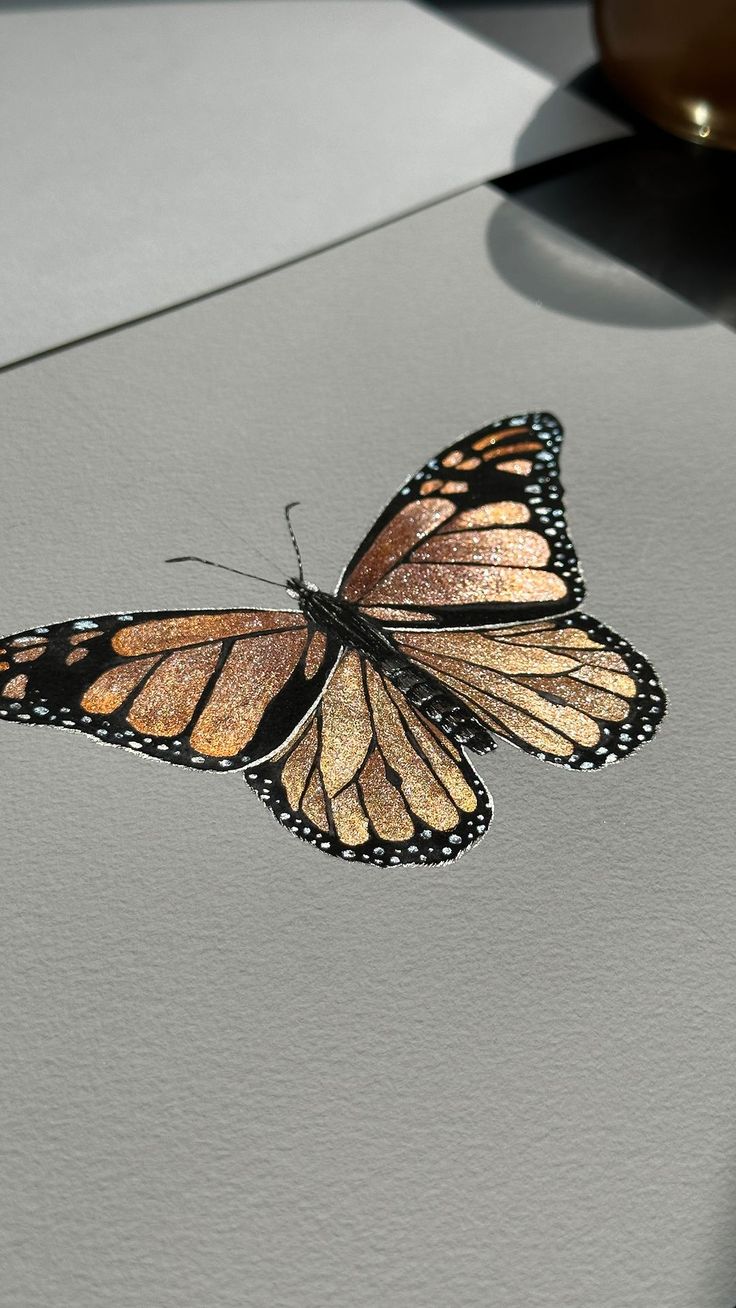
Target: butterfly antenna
x,y
195,558
294,540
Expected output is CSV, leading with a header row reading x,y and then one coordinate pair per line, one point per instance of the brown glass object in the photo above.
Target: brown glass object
x,y
674,61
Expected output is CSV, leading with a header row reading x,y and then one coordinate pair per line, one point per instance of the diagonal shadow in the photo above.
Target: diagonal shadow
x,y
660,206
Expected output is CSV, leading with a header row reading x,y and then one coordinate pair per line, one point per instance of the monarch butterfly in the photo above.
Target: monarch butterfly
x,y
454,623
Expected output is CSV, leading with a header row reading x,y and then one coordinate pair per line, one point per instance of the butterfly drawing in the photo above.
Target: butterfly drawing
x,y
454,625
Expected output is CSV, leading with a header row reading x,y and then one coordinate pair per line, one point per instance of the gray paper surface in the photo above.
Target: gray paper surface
x,y
238,1072
152,152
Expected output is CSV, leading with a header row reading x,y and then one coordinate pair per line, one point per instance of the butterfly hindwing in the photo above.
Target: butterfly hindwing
x,y
478,535
567,689
368,778
210,689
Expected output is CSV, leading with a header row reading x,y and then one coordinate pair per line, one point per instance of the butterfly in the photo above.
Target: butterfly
x,y
454,625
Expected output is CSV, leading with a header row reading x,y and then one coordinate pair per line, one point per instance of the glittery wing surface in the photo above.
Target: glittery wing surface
x,y
208,689
477,536
567,690
368,778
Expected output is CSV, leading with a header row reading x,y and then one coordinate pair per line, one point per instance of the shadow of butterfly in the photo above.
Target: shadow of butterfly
x,y
454,624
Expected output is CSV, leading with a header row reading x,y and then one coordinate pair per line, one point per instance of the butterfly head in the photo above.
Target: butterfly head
x,y
298,588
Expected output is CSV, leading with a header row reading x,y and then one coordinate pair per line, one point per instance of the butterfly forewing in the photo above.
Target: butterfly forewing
x,y
568,690
207,689
476,536
368,778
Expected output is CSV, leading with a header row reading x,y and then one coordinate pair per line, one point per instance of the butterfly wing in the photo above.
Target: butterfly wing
x,y
210,689
367,778
478,535
568,689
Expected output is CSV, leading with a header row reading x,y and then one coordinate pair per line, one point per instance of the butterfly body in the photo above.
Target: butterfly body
x,y
455,624
344,621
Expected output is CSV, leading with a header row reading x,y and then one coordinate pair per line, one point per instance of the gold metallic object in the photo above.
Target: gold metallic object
x,y
674,61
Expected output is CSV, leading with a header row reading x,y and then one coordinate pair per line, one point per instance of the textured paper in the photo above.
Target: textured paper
x,y
153,152
237,1072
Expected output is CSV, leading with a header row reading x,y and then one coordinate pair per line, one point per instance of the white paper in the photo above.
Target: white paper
x,y
153,152
237,1072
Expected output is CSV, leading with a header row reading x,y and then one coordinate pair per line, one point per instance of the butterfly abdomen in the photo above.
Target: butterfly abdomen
x,y
452,717
343,620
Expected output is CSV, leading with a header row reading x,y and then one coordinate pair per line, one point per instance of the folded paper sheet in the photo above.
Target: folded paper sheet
x,y
153,152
